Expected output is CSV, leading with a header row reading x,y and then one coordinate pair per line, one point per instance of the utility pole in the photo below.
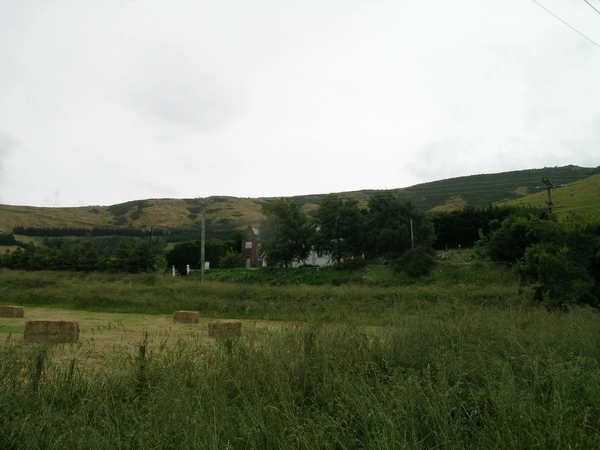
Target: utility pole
x,y
550,206
149,250
203,203
202,242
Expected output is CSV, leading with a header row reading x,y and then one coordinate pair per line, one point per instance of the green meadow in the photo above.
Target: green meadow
x,y
460,359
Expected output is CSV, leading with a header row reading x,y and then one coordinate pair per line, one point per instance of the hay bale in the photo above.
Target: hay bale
x,y
12,311
56,331
225,329
186,317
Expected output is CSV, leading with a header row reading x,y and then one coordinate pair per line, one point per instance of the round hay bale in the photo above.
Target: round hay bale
x,y
12,311
186,317
56,331
225,329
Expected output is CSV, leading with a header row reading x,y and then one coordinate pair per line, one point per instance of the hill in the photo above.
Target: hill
x,y
473,190
580,197
226,214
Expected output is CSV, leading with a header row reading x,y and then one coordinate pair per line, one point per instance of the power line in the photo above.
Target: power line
x,y
570,26
592,6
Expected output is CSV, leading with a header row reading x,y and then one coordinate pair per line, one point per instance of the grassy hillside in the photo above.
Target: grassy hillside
x,y
580,197
474,190
227,214
223,213
481,190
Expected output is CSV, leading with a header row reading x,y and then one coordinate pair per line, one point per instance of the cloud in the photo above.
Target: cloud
x,y
7,145
183,92
200,104
54,199
157,190
114,100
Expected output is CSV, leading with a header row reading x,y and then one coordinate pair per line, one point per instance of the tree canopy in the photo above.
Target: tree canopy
x,y
285,233
388,226
340,228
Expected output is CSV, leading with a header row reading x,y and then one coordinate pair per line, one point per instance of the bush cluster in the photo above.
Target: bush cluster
x,y
82,256
415,263
560,260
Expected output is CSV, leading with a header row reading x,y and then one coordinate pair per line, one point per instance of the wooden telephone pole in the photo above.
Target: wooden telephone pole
x,y
549,205
203,203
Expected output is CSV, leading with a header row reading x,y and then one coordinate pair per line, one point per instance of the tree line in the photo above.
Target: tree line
x,y
79,232
118,254
85,255
383,229
221,254
341,228
559,260
8,239
460,228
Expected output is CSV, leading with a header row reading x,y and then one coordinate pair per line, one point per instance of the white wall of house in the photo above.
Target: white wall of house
x,y
315,260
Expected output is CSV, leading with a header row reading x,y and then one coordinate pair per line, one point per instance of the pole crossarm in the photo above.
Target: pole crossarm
x,y
549,204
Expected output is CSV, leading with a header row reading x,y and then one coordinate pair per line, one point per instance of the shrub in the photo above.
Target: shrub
x,y
415,263
508,243
231,260
559,279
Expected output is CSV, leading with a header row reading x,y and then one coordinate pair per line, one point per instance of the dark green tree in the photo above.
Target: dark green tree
x,y
105,260
120,260
89,260
285,233
563,264
388,226
68,257
509,239
231,260
188,253
140,259
340,227
183,254
7,239
461,227
416,262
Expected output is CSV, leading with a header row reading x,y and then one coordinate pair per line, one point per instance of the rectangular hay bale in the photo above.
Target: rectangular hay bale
x,y
56,331
12,311
226,328
186,317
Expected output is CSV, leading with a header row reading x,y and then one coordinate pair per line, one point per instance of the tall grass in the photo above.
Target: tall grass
x,y
372,296
458,377
459,360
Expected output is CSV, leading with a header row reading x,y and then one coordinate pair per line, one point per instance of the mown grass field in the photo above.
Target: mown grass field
x,y
462,359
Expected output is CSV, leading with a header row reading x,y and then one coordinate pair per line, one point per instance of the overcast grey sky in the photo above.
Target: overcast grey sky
x,y
106,101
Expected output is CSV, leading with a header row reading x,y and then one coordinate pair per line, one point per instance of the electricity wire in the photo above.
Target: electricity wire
x,y
593,7
570,26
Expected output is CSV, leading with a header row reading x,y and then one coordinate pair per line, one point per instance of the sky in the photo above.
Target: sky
x,y
108,101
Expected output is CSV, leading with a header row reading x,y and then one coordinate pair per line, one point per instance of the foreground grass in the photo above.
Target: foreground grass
x,y
458,377
460,360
